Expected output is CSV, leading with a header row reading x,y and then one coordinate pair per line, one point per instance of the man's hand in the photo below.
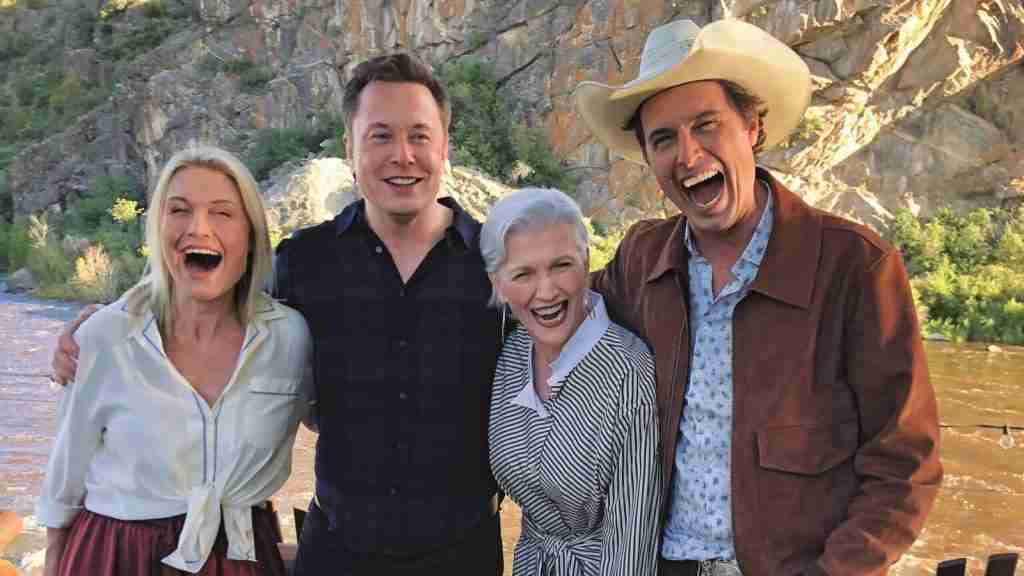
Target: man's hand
x,y
65,357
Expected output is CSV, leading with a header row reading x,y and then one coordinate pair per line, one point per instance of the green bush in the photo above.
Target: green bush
x,y
127,45
275,146
93,212
602,246
252,77
14,45
967,272
49,264
18,245
485,135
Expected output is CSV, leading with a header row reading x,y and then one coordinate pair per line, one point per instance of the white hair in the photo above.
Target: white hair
x,y
527,209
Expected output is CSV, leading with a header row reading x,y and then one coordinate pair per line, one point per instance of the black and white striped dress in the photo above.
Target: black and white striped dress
x,y
582,465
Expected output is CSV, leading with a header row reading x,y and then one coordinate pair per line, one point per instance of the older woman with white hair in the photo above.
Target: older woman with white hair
x,y
189,392
573,426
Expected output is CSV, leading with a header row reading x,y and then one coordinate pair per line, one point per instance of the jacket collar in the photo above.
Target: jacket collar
x,y
463,223
787,271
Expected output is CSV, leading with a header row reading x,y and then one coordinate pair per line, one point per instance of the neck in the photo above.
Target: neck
x,y
423,227
200,321
726,247
544,355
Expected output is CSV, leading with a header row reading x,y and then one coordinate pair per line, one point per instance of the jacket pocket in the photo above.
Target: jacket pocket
x,y
806,449
805,481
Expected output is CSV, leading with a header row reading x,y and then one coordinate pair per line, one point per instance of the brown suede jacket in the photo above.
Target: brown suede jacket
x,y
835,440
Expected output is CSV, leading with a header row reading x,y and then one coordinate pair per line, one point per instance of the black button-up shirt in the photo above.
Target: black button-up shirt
x,y
403,376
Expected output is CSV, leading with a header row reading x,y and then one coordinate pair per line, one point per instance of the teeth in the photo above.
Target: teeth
x,y
202,251
697,179
546,310
403,181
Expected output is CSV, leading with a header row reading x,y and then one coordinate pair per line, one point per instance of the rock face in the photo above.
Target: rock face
x,y
918,104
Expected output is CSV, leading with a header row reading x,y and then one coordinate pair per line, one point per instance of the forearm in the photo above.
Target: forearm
x,y
56,541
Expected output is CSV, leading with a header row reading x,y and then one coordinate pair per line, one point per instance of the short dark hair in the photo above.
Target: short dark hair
x,y
398,67
743,101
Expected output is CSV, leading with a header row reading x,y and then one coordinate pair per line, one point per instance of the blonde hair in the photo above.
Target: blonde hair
x,y
156,288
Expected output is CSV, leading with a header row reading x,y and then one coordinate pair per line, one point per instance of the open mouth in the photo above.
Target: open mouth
x,y
704,188
403,180
550,315
201,260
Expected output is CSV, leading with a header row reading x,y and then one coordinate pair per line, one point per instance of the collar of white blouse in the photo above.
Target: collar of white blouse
x,y
593,327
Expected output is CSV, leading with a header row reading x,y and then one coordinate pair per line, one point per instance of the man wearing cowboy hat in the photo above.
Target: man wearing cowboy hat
x,y
798,424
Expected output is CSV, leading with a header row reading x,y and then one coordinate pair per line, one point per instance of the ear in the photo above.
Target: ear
x,y
754,129
348,145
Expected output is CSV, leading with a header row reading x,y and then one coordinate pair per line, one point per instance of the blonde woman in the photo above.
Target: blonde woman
x,y
189,391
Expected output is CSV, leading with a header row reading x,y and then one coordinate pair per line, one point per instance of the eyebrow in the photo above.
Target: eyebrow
x,y
416,126
183,200
705,115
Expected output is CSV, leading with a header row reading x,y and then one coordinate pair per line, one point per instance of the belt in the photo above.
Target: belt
x,y
712,567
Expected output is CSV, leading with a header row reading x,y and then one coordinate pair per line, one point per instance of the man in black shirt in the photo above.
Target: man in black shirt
x,y
395,295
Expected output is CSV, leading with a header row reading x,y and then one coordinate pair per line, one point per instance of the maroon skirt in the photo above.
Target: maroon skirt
x,y
98,545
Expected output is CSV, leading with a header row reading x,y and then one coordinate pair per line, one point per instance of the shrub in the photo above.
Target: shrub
x,y
18,245
485,135
14,44
967,272
49,264
90,213
95,275
252,77
602,246
138,40
275,146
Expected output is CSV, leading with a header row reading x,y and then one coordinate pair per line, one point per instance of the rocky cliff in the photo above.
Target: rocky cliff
x,y
918,103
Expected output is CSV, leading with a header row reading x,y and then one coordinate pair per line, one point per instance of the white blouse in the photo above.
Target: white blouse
x,y
135,441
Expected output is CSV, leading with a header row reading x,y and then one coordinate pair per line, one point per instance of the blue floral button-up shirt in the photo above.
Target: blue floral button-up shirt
x,y
699,523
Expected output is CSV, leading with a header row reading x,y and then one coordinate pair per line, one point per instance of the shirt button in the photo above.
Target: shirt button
x,y
393,491
403,344
378,250
403,396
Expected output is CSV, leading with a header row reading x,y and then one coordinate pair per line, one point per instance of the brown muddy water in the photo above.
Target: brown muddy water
x,y
980,510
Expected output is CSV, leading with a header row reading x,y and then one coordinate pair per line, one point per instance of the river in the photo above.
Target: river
x,y
980,509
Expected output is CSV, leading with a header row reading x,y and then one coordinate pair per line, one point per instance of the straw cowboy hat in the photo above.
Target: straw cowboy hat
x,y
681,52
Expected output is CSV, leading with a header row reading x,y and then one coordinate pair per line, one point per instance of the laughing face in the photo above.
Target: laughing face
x,y
205,235
399,147
701,151
544,281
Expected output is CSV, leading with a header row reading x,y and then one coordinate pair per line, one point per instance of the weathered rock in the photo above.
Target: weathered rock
x,y
917,103
21,281
307,193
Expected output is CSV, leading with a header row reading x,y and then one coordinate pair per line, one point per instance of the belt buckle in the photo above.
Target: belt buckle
x,y
719,567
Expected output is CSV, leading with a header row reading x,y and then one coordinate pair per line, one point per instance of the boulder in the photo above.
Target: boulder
x,y
21,281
